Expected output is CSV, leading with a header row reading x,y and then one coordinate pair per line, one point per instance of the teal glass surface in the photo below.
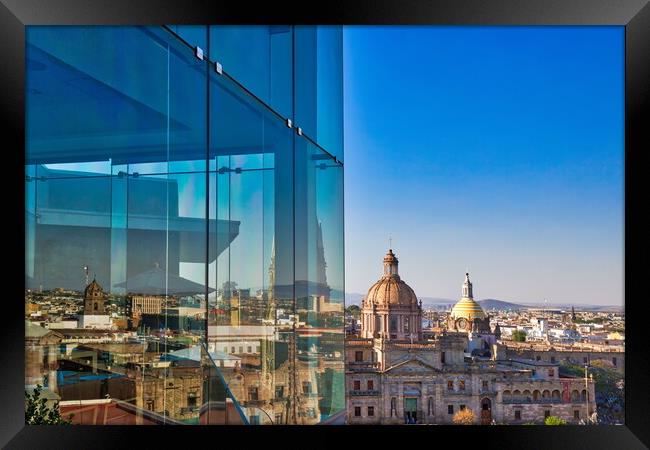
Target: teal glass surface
x,y
174,189
318,72
260,57
319,281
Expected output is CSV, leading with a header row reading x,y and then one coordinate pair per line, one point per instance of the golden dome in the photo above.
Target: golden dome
x,y
466,306
469,309
391,290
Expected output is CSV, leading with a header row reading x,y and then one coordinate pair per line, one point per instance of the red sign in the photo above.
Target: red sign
x,y
566,395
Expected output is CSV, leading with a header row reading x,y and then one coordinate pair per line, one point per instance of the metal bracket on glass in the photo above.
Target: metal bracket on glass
x,y
299,131
289,123
218,68
199,53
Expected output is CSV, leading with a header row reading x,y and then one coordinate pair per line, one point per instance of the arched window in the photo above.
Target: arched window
x,y
96,307
556,396
575,395
583,395
516,395
546,394
536,395
393,406
430,406
527,396
507,396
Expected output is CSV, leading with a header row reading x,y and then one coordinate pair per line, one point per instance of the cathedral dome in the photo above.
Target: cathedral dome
x,y
391,290
466,306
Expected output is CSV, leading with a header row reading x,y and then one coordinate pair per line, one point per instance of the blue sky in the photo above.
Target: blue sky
x,y
493,149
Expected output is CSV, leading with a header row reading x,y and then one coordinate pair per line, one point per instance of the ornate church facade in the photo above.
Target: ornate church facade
x,y
396,374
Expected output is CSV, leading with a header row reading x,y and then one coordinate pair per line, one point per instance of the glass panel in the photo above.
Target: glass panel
x,y
319,85
195,35
250,326
143,232
91,104
116,275
319,279
260,58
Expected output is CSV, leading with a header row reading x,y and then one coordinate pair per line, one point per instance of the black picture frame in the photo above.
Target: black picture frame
x,y
634,15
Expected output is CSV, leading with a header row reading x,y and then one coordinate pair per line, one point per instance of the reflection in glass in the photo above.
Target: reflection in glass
x,y
184,259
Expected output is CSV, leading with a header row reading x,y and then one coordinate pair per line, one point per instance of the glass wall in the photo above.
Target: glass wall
x,y
183,241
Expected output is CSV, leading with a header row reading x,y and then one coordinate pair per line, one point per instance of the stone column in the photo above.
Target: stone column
x,y
52,366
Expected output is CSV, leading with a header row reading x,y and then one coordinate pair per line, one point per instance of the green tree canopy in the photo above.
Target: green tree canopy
x,y
38,413
353,310
553,420
519,336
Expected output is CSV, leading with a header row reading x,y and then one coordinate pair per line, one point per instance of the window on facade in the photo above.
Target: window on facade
x,y
232,350
252,393
450,385
150,405
225,349
517,414
371,385
485,384
393,324
371,411
249,349
442,357
430,406
241,349
278,419
279,392
357,411
552,359
461,385
406,325
191,400
306,387
462,407
538,357
614,361
576,414
547,413
255,419
358,356
450,409
393,406
551,372
585,359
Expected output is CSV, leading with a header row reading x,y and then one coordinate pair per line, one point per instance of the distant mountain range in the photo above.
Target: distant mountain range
x,y
491,303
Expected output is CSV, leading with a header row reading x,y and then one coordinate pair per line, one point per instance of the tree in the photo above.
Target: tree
x,y
519,336
554,420
353,310
38,413
464,417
